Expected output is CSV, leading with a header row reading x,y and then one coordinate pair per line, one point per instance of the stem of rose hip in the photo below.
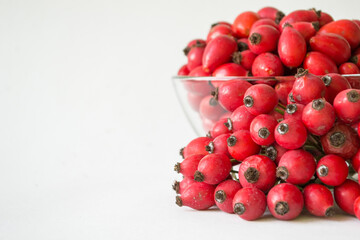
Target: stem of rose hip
x,y
279,111
281,105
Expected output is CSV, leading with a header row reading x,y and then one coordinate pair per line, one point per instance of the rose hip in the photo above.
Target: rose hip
x,y
249,203
194,43
230,94
355,161
243,22
194,100
306,29
218,52
271,13
229,69
189,166
285,201
199,196
262,129
183,71
264,22
300,16
332,170
180,187
275,152
345,28
254,99
291,47
319,64
316,110
243,44
240,119
201,88
283,89
244,58
267,64
213,169
264,38
296,167
257,171
219,29
241,145
346,194
194,57
347,105
307,87
319,200
210,108
357,207
196,146
290,134
341,140
349,68
224,195
294,111
324,18
334,83
219,128
219,145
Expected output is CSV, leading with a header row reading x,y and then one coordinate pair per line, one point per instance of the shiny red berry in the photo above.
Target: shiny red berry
x,y
319,64
202,88
210,108
294,111
249,203
194,57
271,13
241,145
285,201
183,71
306,29
283,89
349,68
189,165
244,58
243,22
316,110
319,200
346,194
325,18
262,129
196,146
296,167
357,207
290,134
332,170
264,38
240,119
194,43
355,161
219,145
267,64
334,83
180,187
213,169
219,29
257,171
299,16
220,128
229,69
199,196
264,22
260,98
224,195
347,105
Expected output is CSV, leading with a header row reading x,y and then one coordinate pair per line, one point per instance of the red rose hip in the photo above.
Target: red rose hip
x,y
249,203
290,134
319,200
199,196
260,98
346,194
262,129
332,170
241,145
213,169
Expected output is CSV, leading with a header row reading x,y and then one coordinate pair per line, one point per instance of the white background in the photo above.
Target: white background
x,y
90,127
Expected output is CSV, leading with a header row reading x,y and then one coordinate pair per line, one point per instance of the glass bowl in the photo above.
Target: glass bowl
x,y
191,91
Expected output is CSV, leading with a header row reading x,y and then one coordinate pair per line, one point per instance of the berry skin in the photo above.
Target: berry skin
x,y
218,51
240,119
319,64
264,22
249,203
196,146
332,170
347,105
291,47
230,94
244,58
285,201
271,13
183,71
219,128
241,145
210,108
275,152
283,89
189,166
299,16
199,196
325,18
345,28
201,88
355,161
224,195
219,145
290,134
257,171
262,129
207,124
349,68
334,83
260,98
194,43
229,69
180,187
195,57
306,29
264,38
294,111
219,29
243,22
345,195
194,100
213,169
307,87
267,64
316,110
332,45
341,140
357,207
319,200
296,167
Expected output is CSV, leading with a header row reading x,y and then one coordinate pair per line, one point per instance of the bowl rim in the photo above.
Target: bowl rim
x,y
246,78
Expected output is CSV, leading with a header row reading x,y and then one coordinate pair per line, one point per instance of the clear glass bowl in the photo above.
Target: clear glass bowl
x,y
191,91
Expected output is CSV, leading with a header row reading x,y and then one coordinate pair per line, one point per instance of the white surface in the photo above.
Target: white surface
x,y
90,126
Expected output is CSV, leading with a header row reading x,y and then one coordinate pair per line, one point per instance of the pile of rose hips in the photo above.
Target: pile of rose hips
x,y
292,141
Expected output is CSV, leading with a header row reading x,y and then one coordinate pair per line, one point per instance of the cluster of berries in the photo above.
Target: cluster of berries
x,y
279,144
